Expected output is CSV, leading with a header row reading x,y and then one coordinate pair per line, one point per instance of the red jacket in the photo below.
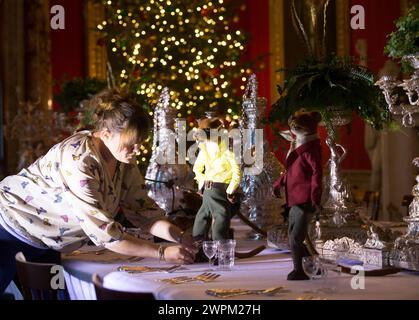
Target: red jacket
x,y
303,178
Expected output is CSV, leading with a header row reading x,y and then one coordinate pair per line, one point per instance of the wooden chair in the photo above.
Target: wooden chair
x,y
103,293
35,280
372,201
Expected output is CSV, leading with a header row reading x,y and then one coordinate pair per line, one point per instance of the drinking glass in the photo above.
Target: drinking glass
x,y
226,252
330,272
210,250
311,265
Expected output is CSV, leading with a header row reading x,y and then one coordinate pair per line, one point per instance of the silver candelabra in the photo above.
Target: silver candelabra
x,y
165,177
388,85
405,252
259,204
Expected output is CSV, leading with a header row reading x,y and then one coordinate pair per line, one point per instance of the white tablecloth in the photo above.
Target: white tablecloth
x,y
266,270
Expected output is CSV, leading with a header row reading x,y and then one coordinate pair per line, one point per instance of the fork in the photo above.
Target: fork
x,y
204,277
134,259
265,292
132,269
207,277
269,291
80,252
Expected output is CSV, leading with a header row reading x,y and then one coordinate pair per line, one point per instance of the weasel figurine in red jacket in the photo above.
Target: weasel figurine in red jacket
x,y
302,183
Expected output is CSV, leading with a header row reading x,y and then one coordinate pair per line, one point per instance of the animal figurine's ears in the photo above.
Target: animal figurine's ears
x,y
305,120
316,116
210,123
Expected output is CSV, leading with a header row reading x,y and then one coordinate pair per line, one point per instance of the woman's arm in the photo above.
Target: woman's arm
x,y
132,246
165,230
168,231
138,208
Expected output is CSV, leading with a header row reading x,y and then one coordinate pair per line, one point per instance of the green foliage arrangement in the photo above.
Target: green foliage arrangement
x,y
405,40
332,82
74,91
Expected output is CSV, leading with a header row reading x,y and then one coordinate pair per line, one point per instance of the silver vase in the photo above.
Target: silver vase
x,y
258,203
166,178
339,217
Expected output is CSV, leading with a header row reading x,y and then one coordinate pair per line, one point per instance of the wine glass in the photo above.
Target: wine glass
x,y
330,272
311,265
210,249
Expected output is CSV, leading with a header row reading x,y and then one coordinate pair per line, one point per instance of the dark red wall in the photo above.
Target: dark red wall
x,y
67,46
379,15
255,21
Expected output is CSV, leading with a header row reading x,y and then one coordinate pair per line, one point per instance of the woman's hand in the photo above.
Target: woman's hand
x,y
178,254
188,242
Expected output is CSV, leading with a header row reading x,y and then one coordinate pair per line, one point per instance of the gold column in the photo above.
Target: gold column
x,y
28,55
38,52
95,54
343,32
13,71
405,5
276,40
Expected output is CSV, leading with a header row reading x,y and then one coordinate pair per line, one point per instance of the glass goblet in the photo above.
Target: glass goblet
x,y
311,265
210,249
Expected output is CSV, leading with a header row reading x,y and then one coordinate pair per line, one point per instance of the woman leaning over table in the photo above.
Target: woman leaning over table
x,y
74,192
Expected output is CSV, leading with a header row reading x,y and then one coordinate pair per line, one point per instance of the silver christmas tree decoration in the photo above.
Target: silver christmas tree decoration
x,y
259,165
166,176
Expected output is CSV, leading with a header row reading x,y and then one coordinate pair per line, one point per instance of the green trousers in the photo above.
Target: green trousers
x,y
299,219
215,212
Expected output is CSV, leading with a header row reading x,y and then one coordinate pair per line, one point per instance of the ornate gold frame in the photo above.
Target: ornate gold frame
x,y
343,32
13,73
276,40
405,5
276,35
96,56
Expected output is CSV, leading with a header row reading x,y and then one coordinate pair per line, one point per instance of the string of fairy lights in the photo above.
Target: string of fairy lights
x,y
192,47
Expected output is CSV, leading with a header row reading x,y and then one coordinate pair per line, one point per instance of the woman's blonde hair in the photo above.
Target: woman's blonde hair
x,y
119,114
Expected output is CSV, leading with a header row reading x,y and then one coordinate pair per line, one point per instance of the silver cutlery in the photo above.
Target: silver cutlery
x,y
204,277
143,269
226,293
310,297
79,252
135,259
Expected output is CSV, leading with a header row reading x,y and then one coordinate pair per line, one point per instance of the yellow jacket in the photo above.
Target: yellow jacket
x,y
219,164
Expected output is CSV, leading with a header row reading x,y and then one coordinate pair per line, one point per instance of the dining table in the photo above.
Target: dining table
x,y
261,277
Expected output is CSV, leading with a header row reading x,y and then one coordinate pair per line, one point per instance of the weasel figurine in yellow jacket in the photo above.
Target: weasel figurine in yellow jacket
x,y
218,176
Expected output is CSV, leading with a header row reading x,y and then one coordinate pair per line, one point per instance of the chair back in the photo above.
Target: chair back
x,y
36,280
103,293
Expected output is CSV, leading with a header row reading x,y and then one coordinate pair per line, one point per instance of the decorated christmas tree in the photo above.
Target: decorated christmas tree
x,y
192,47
